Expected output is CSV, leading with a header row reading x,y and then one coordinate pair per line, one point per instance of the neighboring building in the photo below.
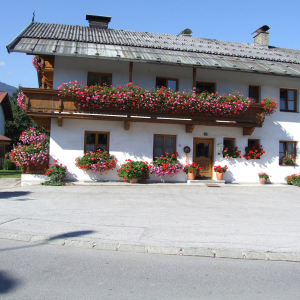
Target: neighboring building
x,y
96,54
5,115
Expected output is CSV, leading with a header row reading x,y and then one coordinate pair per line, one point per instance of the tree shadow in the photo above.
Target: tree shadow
x,y
7,282
9,195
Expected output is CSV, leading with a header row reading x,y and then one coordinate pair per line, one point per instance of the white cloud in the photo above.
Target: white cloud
x,y
8,73
2,63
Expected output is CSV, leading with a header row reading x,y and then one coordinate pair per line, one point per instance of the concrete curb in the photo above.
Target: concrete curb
x,y
201,252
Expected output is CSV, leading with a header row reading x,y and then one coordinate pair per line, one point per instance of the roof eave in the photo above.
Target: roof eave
x,y
17,38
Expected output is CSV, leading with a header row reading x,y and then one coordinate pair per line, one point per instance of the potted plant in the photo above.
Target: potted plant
x,y
220,171
293,179
263,177
57,173
288,160
167,165
99,161
254,152
191,170
229,152
134,170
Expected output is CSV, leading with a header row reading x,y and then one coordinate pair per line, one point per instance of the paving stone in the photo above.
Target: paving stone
x,y
79,244
164,250
228,254
7,235
39,239
283,256
59,242
198,252
255,255
23,237
132,248
109,247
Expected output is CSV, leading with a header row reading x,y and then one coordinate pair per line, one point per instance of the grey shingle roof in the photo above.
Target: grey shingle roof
x,y
41,38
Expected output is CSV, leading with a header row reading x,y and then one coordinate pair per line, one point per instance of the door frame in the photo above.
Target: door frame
x,y
212,155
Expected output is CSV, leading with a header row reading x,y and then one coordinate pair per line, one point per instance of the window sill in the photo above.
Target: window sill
x,y
290,111
288,165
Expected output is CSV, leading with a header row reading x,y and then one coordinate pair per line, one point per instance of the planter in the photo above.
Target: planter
x,y
219,175
286,164
134,180
263,180
192,175
32,169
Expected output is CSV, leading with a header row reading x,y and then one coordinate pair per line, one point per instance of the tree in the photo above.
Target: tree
x,y
21,122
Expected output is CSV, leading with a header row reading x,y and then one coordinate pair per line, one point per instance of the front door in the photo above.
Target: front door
x,y
203,155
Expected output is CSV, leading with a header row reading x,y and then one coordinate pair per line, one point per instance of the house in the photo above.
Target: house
x,y
97,54
5,115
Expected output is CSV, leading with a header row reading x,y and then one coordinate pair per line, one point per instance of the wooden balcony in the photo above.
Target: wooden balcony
x,y
44,104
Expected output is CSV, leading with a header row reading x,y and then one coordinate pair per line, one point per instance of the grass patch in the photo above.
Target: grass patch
x,y
10,174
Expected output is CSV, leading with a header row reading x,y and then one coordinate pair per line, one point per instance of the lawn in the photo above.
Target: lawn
x,y
10,174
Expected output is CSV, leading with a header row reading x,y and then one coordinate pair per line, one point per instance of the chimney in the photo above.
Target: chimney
x,y
262,36
98,21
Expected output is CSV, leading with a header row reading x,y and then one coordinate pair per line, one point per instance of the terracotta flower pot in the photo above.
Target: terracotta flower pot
x,y
263,180
219,175
192,175
134,180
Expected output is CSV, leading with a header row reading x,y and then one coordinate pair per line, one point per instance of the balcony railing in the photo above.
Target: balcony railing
x,y
44,104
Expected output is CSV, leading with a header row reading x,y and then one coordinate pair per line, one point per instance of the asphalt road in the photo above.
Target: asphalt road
x,y
35,271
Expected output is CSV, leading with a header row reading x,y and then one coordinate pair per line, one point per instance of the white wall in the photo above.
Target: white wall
x,y
67,142
2,121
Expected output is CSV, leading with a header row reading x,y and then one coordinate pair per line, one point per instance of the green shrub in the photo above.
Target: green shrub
x,y
9,165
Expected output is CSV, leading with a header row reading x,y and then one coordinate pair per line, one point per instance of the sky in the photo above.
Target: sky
x,y
231,20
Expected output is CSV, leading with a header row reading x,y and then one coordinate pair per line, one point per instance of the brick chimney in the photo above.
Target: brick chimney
x,y
262,36
98,21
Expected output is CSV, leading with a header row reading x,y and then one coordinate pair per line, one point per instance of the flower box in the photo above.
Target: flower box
x,y
34,169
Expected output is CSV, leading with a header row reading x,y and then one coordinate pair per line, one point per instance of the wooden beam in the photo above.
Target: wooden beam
x,y
130,71
248,130
60,119
194,79
189,128
126,125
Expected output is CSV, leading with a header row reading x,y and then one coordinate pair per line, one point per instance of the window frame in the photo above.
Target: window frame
x,y
286,100
164,145
99,74
229,139
257,141
213,84
286,152
96,139
257,92
167,78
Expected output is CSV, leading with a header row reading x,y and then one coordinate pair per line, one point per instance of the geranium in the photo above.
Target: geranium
x,y
166,165
229,152
99,161
191,168
36,61
34,148
21,100
254,152
134,169
288,160
269,105
57,173
293,179
220,169
263,175
162,100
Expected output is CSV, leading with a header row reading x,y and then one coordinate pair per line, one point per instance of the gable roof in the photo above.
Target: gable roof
x,y
4,102
70,40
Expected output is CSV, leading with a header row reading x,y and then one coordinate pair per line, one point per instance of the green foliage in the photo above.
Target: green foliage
x,y
13,129
134,169
56,173
263,175
9,165
293,179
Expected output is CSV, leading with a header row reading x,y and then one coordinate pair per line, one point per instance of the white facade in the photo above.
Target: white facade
x,y
67,142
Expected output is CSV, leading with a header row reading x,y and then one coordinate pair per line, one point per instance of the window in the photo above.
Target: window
x,y
205,87
252,143
254,93
163,143
99,79
228,143
287,148
95,140
167,82
288,100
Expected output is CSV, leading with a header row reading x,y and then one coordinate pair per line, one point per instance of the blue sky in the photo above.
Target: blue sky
x,y
231,20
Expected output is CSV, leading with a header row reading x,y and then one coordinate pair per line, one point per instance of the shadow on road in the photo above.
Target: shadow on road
x,y
7,282
17,194
56,237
